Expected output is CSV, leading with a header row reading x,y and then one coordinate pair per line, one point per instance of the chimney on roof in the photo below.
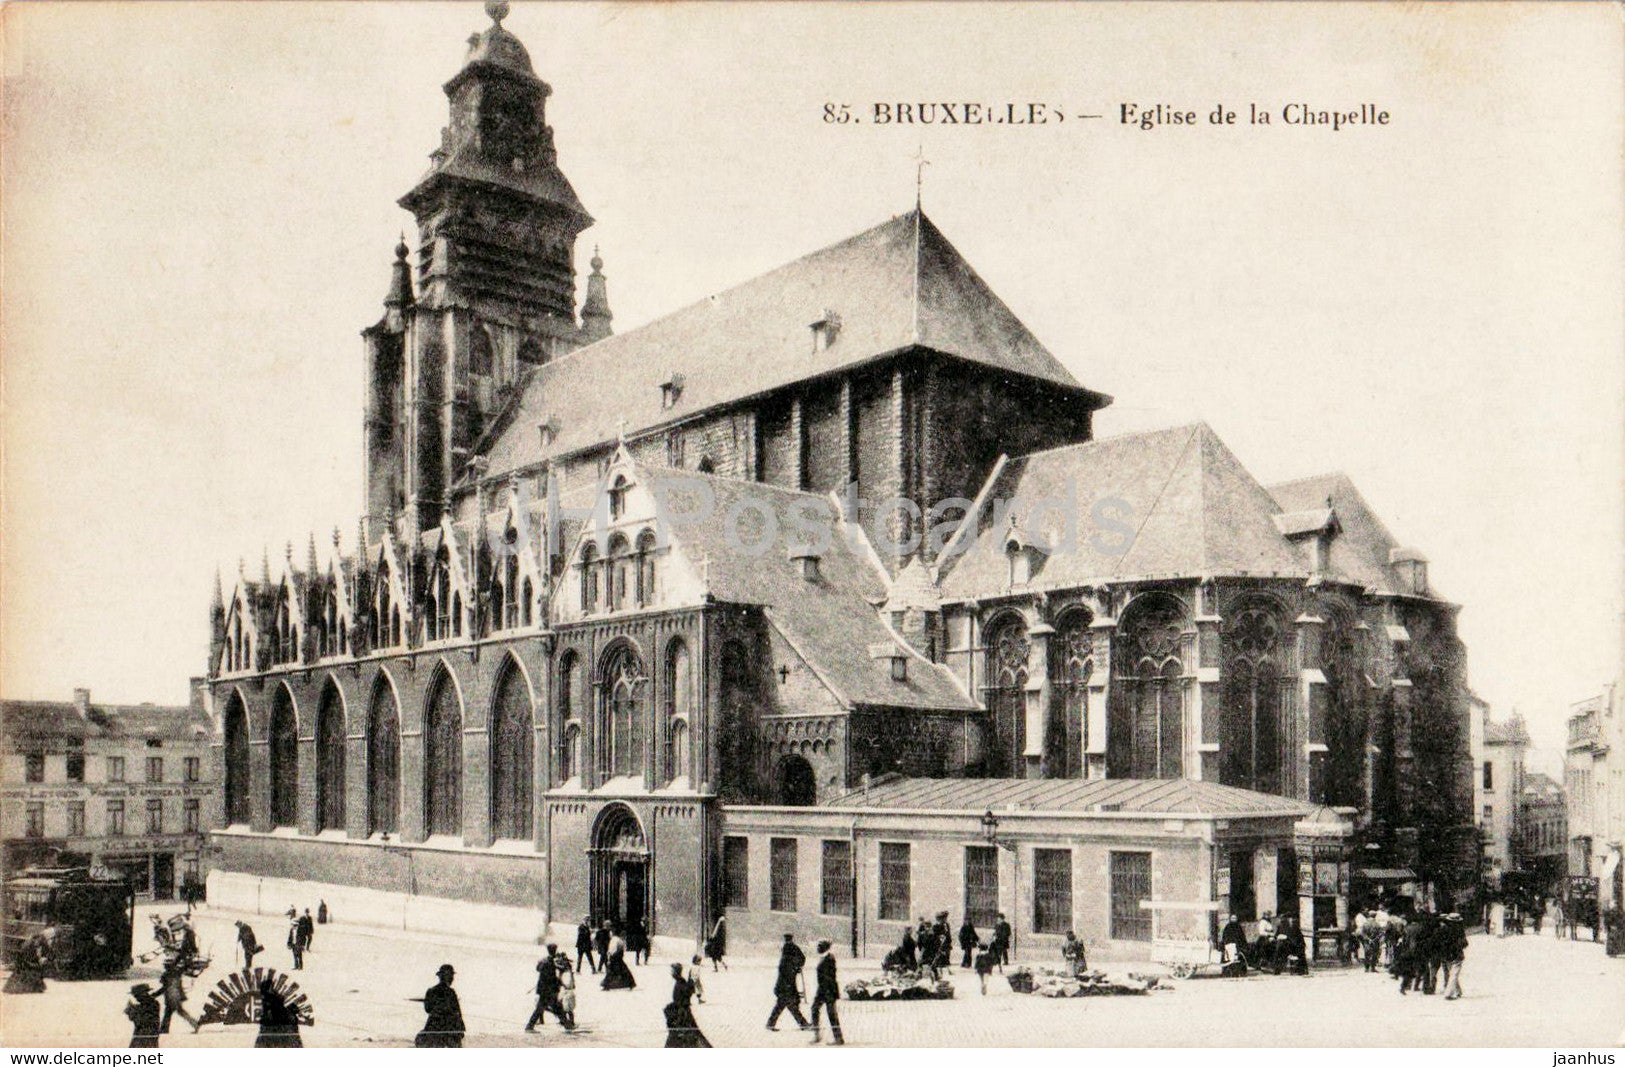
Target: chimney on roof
x,y
81,702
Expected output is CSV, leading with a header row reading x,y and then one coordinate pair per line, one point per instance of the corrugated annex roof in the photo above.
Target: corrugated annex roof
x,y
1172,796
1189,505
895,286
831,621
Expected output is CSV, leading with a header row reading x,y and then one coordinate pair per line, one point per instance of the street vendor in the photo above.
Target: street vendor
x,y
1232,940
1072,952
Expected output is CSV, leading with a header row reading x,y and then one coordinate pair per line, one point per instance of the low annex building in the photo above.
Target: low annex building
x,y
619,600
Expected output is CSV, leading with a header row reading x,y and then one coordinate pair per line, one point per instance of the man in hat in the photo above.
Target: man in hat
x,y
143,1011
250,944
1453,945
787,988
444,1026
584,947
829,991
547,992
1001,942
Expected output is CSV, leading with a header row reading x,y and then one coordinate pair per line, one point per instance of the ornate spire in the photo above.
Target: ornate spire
x,y
219,604
400,279
310,556
595,314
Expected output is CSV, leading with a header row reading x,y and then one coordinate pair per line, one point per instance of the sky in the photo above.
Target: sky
x,y
200,212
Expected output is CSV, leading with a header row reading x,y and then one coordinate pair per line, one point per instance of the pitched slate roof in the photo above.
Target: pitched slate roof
x,y
831,622
896,286
1173,796
1359,554
1187,505
47,720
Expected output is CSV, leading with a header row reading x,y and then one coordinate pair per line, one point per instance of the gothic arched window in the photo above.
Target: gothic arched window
x,y
1146,736
284,760
383,761
526,595
441,602
617,497
619,573
620,723
511,744
443,759
589,578
679,706
330,760
1007,648
239,806
1254,739
1071,662
646,568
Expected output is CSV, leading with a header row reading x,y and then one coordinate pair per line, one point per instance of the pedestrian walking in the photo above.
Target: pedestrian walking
x,y
787,986
600,942
695,975
323,916
307,929
279,1024
682,1029
296,943
617,975
567,988
174,987
1001,942
547,992
29,965
716,946
248,943
943,935
443,1027
828,992
968,940
143,1012
637,941
584,947
1455,954
985,960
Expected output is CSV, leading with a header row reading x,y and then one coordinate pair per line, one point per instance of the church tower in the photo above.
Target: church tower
x,y
492,289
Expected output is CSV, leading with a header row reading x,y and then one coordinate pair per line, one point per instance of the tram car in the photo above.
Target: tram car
x,y
83,922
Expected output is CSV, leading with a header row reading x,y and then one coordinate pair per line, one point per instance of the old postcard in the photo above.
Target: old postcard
x,y
748,525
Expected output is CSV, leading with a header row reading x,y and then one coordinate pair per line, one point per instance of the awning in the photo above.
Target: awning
x,y
1386,874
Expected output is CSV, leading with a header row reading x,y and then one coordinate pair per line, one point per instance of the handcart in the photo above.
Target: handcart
x,y
1181,936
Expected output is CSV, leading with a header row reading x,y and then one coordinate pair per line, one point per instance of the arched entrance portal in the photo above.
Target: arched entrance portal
x,y
619,859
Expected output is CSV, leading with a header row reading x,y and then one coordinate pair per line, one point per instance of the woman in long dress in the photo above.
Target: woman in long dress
x,y
682,1029
617,975
716,946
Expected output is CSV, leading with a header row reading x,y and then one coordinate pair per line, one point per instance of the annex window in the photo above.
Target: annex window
x,y
620,729
837,878
194,766
679,701
736,872
1052,890
981,884
155,768
782,873
1131,883
34,767
646,568
190,814
76,819
1489,775
155,816
589,578
894,882
617,576
36,820
76,766
115,818
115,767
617,498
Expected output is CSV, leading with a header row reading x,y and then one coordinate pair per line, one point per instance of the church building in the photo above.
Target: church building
x,y
814,603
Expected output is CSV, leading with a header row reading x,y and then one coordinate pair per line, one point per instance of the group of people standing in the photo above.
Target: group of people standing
x,y
1278,946
928,947
1425,952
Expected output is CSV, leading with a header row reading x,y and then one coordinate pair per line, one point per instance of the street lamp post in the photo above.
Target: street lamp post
x,y
990,834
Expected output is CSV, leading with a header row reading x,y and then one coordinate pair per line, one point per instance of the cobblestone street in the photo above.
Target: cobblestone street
x,y
1525,991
